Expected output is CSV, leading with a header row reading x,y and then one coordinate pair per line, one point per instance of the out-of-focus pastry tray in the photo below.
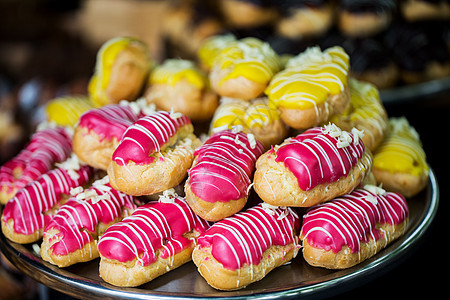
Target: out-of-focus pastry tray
x,y
291,280
415,92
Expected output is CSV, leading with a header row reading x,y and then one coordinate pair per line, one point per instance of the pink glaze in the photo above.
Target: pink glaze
x,y
29,208
146,136
224,164
77,219
153,227
109,121
351,219
314,158
46,148
243,238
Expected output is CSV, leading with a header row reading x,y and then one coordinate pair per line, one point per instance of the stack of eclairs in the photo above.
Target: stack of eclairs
x,y
120,174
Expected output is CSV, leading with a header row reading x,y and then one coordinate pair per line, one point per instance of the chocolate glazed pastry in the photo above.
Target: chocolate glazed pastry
x,y
419,50
304,18
362,18
369,59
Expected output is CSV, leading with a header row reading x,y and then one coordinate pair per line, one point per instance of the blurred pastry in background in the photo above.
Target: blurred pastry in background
x,y
370,60
362,18
248,13
304,18
121,70
187,24
419,10
419,50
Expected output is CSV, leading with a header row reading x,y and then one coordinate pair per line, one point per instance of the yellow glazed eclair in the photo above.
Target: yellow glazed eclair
x,y
244,69
121,70
312,88
366,113
208,51
179,85
255,116
399,163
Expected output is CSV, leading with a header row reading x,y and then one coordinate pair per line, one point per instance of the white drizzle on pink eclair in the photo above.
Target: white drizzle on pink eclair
x,y
224,164
353,219
243,238
156,228
77,220
29,208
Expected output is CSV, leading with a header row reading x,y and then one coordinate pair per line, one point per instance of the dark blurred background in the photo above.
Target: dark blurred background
x,y
48,49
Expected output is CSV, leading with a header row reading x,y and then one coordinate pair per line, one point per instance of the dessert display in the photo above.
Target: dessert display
x,y
219,179
284,144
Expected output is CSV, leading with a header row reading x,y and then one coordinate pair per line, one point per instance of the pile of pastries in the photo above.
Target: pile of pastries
x,y
129,173
390,42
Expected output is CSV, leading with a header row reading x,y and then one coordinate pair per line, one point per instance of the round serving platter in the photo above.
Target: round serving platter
x,y
292,280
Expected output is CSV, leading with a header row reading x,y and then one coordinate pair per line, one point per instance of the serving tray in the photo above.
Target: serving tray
x,y
292,280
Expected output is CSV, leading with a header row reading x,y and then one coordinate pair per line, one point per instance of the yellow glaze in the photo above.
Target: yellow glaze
x,y
106,58
173,71
249,58
401,151
232,112
209,50
66,111
365,111
310,78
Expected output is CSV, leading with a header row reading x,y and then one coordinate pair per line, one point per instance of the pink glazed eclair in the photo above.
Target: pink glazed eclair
x,y
348,230
154,154
243,248
313,167
158,237
26,215
72,235
219,180
47,147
